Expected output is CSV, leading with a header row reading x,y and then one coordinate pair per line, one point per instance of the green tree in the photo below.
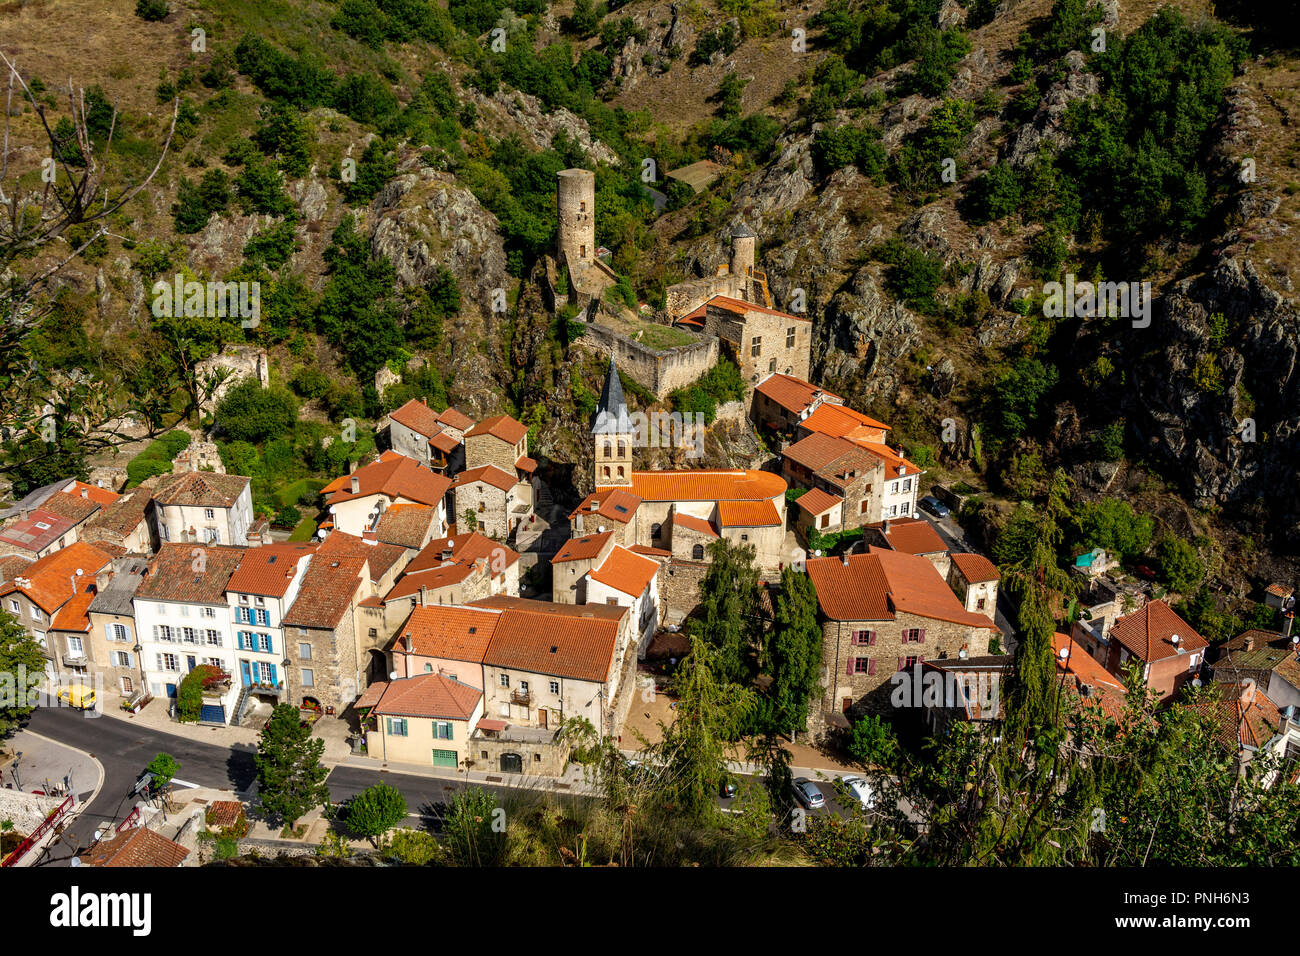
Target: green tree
x,y
725,621
475,829
289,773
22,667
795,650
872,743
376,810
1112,524
164,769
1181,568
253,414
414,847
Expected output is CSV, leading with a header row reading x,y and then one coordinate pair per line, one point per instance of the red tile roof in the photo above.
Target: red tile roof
x,y
840,421
123,516
137,846
73,507
489,475
835,459
418,417
740,306
624,571
792,394
1245,716
975,568
101,496
37,531
406,525
454,418
449,631
429,695
747,514
328,588
1104,688
394,476
444,442
48,580
584,548
1148,633
878,585
190,573
816,502
500,426
268,569
72,616
200,488
612,503
379,556
575,641
913,536
464,548
894,462
695,524
701,485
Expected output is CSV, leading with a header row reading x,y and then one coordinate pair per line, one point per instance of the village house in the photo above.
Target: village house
x,y
37,534
135,847
761,340
489,501
37,594
435,439
425,719
357,501
445,640
1250,726
408,526
183,619
68,638
612,509
867,482
452,571
781,402
203,507
113,635
974,580
627,579
883,612
124,523
965,689
321,624
1166,649
1269,658
571,563
911,536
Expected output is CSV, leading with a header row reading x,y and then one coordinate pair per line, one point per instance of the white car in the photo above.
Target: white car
x,y
860,790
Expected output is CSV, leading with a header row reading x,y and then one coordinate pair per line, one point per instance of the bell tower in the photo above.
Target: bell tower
x,y
613,434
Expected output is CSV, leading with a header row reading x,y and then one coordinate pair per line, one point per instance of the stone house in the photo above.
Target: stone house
x,y
452,571
435,439
124,523
781,402
974,579
203,507
573,561
612,509
113,636
757,524
761,340
627,579
357,501
911,536
486,501
883,612
1168,651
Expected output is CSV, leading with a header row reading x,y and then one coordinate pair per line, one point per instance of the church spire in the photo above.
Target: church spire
x,y
613,434
612,417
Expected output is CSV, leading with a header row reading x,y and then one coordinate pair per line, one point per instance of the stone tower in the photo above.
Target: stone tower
x,y
576,199
613,434
742,250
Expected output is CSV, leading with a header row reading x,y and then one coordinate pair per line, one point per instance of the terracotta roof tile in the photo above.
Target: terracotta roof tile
x,y
101,496
913,536
122,516
1106,690
137,846
48,580
418,417
747,514
392,475
792,394
693,523
449,631
73,615
379,555
268,569
612,503
330,585
740,306
840,421
1148,633
190,573
575,641
816,502
526,464
500,426
454,418
701,485
429,695
624,571
1244,715
37,531
584,548
444,442
204,488
464,548
488,474
406,526
69,506
975,568
877,585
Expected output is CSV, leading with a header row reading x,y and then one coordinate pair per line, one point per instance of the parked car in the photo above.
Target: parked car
x,y
932,505
809,794
860,790
727,788
78,696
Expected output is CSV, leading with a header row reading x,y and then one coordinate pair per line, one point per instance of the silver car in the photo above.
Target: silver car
x,y
809,794
860,790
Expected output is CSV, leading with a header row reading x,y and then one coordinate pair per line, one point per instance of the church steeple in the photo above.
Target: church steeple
x,y
612,434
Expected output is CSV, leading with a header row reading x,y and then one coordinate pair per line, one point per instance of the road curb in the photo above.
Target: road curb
x,y
99,767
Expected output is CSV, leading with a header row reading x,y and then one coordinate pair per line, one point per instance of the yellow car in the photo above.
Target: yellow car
x,y
79,696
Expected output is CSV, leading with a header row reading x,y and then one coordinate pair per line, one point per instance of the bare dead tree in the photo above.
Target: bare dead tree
x,y
73,191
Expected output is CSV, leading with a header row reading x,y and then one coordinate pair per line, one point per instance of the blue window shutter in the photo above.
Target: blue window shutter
x,y
274,679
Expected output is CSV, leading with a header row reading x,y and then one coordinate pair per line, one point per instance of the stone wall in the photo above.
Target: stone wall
x,y
685,297
659,371
237,362
546,758
679,585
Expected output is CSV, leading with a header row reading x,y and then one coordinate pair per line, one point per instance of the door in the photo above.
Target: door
x,y
245,674
190,661
541,718
512,763
848,704
444,758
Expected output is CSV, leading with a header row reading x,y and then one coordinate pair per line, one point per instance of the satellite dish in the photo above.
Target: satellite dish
x,y
75,861
1174,639
1196,682
1064,653
392,675
80,572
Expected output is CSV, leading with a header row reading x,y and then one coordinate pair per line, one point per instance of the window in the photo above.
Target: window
x,y
609,449
304,652
893,487
210,612
118,632
259,601
265,640
481,506
243,599
442,729
555,687
213,638
620,471
209,514
910,662
428,668
744,537
75,646
861,665
907,485
308,677
121,658
656,531
789,337
185,610
607,471
523,687
162,632
979,605
697,552
862,508
756,345
375,633
13,606
36,613
505,680
189,635
168,662
622,450
913,635
771,366
396,726
864,637
582,207
127,686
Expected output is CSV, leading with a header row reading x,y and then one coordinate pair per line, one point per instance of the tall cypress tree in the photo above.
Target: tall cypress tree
x,y
795,650
289,772
728,599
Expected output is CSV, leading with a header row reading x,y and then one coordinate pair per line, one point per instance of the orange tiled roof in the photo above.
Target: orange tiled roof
x,y
711,485
101,496
1148,633
816,502
526,464
695,524
624,571
913,536
393,475
328,588
49,579
1245,715
894,462
444,442
447,630
137,846
201,488
576,641
454,418
464,548
429,695
72,616
268,569
792,394
584,548
405,525
740,306
840,421
612,503
747,514
975,568
418,417
178,573
379,555
1106,689
877,585
489,475
73,507
123,516
500,426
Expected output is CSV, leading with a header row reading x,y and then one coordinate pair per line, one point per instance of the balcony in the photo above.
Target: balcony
x,y
524,698
75,660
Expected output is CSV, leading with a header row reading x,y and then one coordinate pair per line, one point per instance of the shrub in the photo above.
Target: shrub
x,y
151,10
253,414
1181,568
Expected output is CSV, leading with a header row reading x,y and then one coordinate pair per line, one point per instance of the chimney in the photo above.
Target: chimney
x,y
424,595
844,559
85,493
884,526
1250,642
356,485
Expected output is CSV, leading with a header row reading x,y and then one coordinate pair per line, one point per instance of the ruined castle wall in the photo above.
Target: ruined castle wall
x,y
659,371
